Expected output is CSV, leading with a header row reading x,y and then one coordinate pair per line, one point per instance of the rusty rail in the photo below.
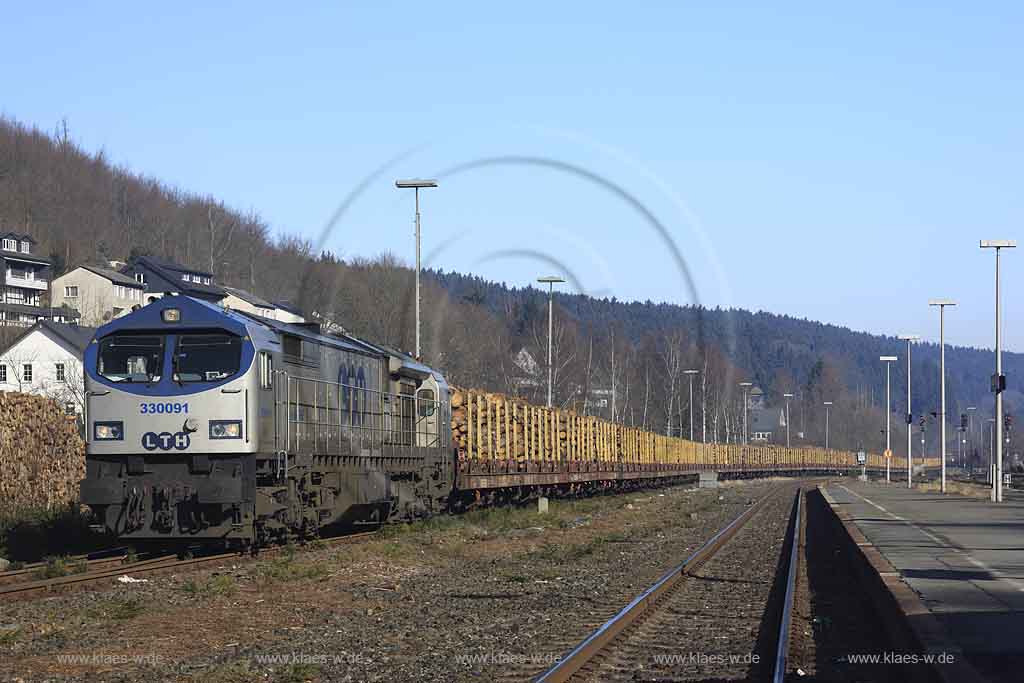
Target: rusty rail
x,y
579,656
151,566
786,619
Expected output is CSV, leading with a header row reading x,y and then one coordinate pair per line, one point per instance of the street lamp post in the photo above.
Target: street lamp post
x,y
417,184
745,385
827,405
910,339
888,360
787,397
550,280
691,373
999,381
970,433
942,303
991,447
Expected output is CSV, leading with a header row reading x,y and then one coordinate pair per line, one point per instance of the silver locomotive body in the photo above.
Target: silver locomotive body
x,y
206,425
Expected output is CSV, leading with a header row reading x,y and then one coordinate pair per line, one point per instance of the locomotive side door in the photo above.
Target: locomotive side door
x,y
427,414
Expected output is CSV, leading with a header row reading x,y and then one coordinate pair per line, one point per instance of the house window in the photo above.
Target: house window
x,y
60,372
26,247
71,292
185,277
206,280
3,374
10,245
26,372
140,278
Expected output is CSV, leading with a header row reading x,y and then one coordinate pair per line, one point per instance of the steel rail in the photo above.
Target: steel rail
x,y
154,565
786,619
579,656
96,557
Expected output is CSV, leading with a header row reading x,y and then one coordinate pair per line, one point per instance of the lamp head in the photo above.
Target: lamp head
x,y
415,182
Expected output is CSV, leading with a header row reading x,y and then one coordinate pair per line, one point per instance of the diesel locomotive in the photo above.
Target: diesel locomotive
x,y
211,426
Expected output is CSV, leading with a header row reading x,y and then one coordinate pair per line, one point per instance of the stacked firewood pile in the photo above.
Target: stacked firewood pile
x,y
42,457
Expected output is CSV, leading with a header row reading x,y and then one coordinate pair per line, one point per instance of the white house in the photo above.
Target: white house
x,y
46,359
241,300
99,294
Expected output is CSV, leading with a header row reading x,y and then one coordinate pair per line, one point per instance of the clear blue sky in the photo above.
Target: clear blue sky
x,y
835,163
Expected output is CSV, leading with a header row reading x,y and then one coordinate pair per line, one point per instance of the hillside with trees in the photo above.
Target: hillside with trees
x,y
624,360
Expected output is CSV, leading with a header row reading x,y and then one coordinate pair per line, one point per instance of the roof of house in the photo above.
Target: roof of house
x,y
115,277
173,271
285,306
18,236
20,255
64,311
248,297
72,335
171,265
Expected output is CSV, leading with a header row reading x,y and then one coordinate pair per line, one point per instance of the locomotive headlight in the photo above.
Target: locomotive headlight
x,y
108,431
225,429
171,315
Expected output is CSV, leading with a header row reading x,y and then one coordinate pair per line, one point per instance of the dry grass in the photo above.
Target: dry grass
x,y
961,488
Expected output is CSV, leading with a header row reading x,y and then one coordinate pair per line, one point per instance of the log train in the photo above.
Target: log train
x,y
212,427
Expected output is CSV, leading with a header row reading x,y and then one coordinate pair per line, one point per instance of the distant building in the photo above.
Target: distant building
x,y
755,399
25,280
247,302
99,294
765,423
165,277
46,359
528,371
287,313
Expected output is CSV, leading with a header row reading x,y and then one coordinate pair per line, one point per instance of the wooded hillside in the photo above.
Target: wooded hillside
x,y
631,356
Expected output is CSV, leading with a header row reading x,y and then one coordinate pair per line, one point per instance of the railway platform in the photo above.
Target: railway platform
x,y
963,557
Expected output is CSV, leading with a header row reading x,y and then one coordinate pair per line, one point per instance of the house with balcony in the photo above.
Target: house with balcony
x,y
99,294
25,282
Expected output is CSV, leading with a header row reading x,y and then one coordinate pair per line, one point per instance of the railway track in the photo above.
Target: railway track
x,y
70,564
723,613
103,573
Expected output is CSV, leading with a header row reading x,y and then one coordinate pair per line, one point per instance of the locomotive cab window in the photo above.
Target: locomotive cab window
x,y
426,402
131,358
206,357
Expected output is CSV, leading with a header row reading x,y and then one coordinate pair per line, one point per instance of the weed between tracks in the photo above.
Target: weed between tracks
x,y
56,567
220,584
117,609
241,672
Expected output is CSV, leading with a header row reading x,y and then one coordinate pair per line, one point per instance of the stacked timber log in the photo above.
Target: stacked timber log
x,y
42,456
492,426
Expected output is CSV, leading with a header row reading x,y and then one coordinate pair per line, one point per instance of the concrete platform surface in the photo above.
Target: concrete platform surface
x,y
963,556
